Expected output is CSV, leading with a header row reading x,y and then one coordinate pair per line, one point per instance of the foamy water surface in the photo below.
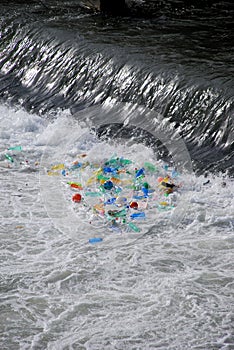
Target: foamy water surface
x,y
168,287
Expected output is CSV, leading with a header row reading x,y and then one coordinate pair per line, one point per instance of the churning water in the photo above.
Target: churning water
x,y
72,82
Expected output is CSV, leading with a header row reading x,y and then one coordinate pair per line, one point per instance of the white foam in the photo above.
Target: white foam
x,y
171,288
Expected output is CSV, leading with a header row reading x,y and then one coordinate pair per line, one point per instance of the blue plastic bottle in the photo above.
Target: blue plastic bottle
x,y
140,172
95,240
137,215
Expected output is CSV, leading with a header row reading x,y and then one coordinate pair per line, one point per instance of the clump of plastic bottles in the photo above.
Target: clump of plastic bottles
x,y
118,193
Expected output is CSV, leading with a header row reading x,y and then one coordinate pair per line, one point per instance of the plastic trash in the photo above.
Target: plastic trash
x,y
121,193
76,166
125,161
121,201
174,174
52,173
134,205
134,227
139,197
99,208
117,213
108,185
8,157
140,172
109,170
140,215
75,185
146,185
100,177
145,191
58,167
93,194
95,240
110,201
15,148
77,198
150,167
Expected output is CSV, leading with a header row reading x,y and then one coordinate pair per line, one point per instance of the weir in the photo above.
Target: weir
x,y
151,8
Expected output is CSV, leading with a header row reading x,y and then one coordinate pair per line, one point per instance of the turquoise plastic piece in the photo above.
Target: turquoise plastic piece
x,y
9,158
93,194
15,148
134,227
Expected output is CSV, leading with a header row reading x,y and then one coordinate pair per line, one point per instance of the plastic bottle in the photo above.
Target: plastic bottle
x,y
134,227
140,172
95,240
58,167
93,194
15,148
8,157
145,191
140,215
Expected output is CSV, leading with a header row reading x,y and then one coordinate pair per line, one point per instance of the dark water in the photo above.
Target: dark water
x,y
179,63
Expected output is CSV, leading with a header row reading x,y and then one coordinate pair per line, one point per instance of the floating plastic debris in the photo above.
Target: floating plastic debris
x,y
15,148
134,227
95,240
116,192
8,157
77,198
140,215
58,167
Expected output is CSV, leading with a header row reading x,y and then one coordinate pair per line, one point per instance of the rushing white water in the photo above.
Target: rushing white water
x,y
170,287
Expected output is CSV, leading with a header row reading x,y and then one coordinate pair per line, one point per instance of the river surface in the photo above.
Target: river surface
x,y
75,84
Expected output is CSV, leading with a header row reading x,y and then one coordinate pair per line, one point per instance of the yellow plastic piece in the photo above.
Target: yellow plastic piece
x,y
52,173
58,167
163,203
